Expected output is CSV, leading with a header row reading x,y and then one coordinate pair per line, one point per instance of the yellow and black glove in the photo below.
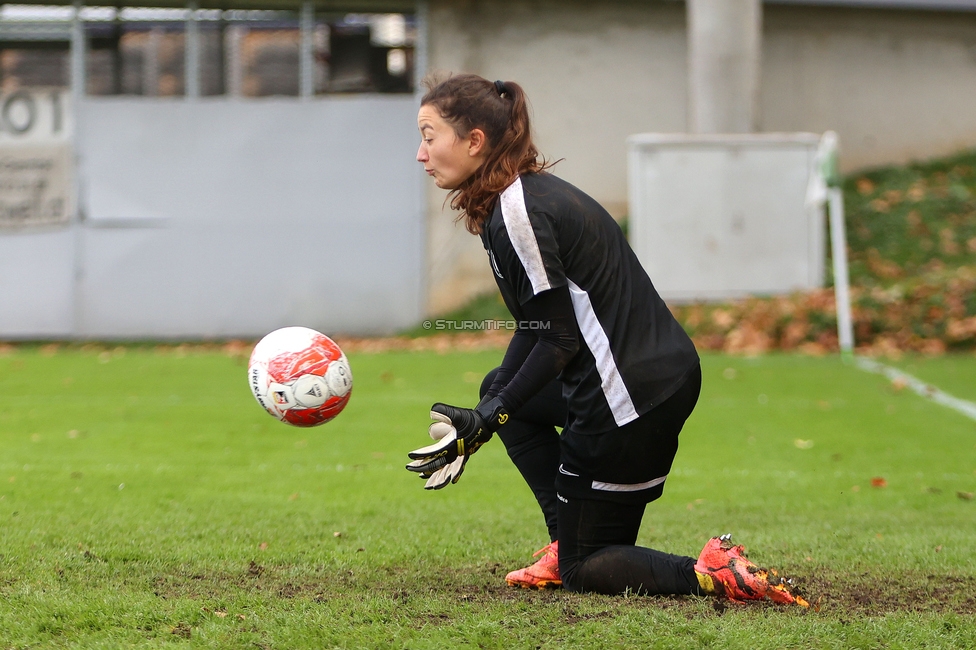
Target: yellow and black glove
x,y
459,432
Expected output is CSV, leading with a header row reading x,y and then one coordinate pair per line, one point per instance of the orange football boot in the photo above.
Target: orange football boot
x,y
724,570
544,574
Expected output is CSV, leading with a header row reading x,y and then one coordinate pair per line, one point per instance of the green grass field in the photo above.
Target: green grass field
x,y
147,501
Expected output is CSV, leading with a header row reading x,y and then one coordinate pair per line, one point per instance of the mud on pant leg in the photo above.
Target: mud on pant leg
x,y
597,552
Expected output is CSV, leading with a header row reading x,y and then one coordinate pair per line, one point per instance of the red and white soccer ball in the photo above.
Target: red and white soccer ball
x,y
300,376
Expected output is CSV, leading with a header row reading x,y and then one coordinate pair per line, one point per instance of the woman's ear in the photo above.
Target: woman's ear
x,y
477,143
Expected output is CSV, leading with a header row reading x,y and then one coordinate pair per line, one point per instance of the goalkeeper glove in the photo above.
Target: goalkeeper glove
x,y
459,433
439,478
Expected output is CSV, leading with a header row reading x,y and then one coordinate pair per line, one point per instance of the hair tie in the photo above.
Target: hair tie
x,y
500,88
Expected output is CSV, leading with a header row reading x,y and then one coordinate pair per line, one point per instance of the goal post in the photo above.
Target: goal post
x,y
825,188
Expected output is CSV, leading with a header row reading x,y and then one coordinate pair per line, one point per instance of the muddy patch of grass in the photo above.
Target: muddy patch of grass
x,y
837,593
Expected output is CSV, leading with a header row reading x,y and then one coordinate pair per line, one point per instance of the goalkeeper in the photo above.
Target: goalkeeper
x,y
596,352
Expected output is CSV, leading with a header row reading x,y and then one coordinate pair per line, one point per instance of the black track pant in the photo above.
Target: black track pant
x,y
597,536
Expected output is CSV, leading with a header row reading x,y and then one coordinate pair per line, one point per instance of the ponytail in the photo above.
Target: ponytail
x,y
501,110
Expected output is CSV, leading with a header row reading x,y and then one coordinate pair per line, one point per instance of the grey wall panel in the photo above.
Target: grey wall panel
x,y
230,218
267,162
36,283
159,283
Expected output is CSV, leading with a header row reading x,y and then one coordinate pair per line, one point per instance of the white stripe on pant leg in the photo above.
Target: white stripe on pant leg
x,y
627,487
621,405
522,236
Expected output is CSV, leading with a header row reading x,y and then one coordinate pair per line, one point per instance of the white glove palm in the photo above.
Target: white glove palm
x,y
442,431
459,433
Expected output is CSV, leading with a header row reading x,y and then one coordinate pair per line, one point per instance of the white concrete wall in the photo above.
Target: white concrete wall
x,y
895,85
223,218
595,72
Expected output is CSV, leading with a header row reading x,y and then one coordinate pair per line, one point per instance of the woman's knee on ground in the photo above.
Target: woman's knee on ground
x,y
593,573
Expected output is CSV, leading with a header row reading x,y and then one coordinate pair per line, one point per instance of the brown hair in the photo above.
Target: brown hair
x,y
501,110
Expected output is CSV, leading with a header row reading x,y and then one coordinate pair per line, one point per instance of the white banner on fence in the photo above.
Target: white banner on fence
x,y
36,159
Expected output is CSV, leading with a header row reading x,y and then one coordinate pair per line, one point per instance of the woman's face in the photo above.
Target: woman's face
x,y
450,160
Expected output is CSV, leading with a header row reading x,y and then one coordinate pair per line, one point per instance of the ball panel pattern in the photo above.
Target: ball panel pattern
x,y
300,376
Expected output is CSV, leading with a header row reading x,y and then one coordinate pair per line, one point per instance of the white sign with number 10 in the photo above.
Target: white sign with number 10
x,y
36,158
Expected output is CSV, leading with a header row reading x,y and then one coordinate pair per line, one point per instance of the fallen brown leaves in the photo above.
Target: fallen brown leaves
x,y
241,349
930,314
441,343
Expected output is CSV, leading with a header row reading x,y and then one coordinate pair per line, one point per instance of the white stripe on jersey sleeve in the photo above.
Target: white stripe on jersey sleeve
x,y
621,405
523,237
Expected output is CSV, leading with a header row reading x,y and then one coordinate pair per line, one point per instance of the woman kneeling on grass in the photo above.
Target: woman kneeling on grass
x,y
596,352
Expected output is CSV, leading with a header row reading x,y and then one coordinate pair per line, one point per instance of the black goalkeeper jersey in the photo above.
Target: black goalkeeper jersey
x,y
545,234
